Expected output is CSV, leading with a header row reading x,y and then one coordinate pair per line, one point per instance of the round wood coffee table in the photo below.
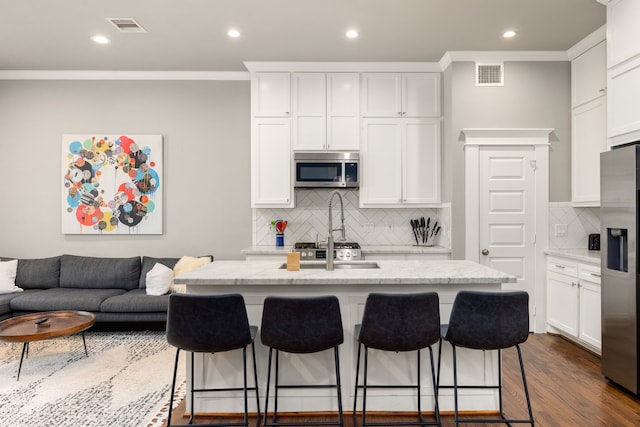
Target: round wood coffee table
x,y
44,326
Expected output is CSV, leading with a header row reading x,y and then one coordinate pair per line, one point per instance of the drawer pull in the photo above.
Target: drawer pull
x,y
560,266
595,274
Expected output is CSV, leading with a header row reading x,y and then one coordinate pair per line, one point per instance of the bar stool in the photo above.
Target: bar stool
x,y
398,323
211,324
488,321
301,325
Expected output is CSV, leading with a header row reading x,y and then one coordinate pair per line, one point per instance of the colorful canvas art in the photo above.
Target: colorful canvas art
x,y
112,184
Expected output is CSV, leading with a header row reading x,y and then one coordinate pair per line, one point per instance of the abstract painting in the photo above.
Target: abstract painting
x,y
112,184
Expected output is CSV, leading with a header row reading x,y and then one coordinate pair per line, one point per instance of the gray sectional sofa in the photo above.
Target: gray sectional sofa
x,y
111,288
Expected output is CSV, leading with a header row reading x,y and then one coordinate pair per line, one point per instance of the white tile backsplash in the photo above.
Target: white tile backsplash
x,y
580,223
371,226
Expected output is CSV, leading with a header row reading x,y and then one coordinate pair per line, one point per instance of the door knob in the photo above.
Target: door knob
x,y
485,252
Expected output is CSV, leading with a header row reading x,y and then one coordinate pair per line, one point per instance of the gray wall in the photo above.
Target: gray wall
x,y
534,95
206,130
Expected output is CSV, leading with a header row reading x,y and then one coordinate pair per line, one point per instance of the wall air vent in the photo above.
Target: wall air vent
x,y
127,25
489,74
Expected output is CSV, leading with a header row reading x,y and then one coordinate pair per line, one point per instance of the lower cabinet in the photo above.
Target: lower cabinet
x,y
573,301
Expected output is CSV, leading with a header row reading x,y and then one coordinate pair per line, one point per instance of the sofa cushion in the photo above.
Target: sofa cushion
x,y
135,301
99,273
149,262
63,299
40,273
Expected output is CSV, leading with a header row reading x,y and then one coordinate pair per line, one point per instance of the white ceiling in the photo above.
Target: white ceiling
x,y
190,35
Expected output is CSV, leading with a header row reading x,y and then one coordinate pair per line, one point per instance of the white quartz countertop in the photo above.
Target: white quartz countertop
x,y
367,249
390,272
581,255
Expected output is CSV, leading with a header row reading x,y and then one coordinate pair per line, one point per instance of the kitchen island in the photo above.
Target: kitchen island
x,y
257,279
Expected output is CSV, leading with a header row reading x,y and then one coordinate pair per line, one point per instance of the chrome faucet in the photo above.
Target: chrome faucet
x,y
331,229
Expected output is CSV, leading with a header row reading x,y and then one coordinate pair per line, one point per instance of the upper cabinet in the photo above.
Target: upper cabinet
x,y
401,95
325,111
589,75
588,124
271,95
623,75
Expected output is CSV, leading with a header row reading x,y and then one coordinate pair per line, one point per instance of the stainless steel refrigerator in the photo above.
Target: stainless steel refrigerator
x,y
619,216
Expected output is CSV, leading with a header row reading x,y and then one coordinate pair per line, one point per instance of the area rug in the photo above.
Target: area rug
x,y
125,381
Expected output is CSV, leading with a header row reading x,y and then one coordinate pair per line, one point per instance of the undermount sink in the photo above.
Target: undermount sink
x,y
338,265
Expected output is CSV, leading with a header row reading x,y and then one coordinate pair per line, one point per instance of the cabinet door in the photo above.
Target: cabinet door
x,y
381,95
309,111
271,163
623,31
381,162
589,139
421,161
271,95
343,111
590,314
589,75
562,302
421,95
623,98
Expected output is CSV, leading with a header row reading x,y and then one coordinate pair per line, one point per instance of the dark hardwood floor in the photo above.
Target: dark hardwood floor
x,y
565,384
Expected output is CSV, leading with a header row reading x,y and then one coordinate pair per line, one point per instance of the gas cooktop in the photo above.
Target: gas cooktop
x,y
336,245
344,251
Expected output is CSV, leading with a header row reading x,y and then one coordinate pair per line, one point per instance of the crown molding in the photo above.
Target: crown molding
x,y
121,75
598,36
506,55
604,2
333,67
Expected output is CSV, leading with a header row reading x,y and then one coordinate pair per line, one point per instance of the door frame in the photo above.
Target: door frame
x,y
538,138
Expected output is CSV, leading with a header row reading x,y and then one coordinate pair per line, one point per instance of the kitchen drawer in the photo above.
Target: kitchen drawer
x,y
589,273
562,266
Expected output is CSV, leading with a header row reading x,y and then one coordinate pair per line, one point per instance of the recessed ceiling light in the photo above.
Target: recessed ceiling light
x,y
233,33
509,34
352,34
100,39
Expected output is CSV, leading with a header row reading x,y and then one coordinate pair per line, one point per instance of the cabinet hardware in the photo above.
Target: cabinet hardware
x,y
485,252
560,266
595,274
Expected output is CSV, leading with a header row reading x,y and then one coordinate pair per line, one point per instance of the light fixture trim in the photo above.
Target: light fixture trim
x,y
509,34
352,34
233,33
100,39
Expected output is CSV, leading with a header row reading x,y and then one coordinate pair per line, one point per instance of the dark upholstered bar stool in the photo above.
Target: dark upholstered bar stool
x,y
398,323
211,324
301,325
488,321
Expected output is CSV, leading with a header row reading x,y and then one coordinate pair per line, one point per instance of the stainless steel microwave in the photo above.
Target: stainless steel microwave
x,y
326,169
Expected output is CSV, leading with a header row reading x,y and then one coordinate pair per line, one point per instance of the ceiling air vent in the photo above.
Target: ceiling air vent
x,y
489,74
127,25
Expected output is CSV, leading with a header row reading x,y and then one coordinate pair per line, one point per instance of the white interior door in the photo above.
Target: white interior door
x,y
507,215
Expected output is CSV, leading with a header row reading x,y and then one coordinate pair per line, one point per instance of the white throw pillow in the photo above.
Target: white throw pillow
x,y
8,277
159,279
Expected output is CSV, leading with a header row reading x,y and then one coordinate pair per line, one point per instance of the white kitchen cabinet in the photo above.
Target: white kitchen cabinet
x,y
590,327
309,111
623,75
343,111
573,301
623,110
588,124
589,75
401,95
271,95
400,161
325,111
588,140
271,184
